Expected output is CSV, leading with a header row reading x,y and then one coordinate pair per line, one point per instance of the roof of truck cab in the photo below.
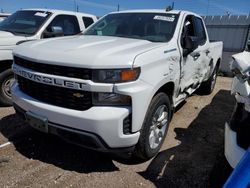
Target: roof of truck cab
x,y
157,11
149,11
55,11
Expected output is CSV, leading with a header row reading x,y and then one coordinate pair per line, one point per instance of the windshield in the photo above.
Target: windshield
x,y
24,22
155,27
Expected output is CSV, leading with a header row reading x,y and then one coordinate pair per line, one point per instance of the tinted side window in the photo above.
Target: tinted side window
x,y
68,23
87,21
200,30
188,29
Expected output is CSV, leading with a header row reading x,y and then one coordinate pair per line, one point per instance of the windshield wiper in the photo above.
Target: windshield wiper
x,y
154,40
22,33
123,36
14,32
133,37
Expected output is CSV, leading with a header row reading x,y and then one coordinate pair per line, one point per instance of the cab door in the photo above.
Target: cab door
x,y
68,24
192,65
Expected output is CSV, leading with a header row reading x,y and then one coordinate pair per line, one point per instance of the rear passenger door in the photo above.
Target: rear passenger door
x,y
68,23
205,58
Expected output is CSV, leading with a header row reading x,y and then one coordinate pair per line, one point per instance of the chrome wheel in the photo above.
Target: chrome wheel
x,y
158,127
6,86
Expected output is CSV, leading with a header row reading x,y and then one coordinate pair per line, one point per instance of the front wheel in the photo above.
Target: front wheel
x,y
154,128
6,81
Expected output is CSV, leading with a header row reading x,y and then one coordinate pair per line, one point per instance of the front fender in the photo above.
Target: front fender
x,y
6,54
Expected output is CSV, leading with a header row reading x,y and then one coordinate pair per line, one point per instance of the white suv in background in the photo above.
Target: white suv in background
x,y
3,16
34,24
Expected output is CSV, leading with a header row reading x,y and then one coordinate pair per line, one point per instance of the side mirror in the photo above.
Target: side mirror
x,y
57,31
54,31
189,44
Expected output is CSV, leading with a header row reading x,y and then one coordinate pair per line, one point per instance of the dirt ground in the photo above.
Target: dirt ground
x,y
192,154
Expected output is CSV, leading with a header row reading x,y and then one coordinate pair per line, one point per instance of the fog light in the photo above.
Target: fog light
x,y
111,99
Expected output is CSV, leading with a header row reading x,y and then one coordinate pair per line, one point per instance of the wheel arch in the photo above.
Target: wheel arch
x,y
218,63
212,66
6,64
168,88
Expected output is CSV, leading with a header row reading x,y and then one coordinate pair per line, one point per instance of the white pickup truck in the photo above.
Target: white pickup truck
x,y
33,24
115,87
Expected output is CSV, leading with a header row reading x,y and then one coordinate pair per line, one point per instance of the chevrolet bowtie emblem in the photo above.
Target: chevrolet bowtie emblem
x,y
78,95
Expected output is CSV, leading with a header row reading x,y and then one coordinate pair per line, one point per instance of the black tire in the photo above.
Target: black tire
x,y
207,87
143,150
6,78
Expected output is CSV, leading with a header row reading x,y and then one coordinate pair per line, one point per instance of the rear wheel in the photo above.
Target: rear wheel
x,y
154,128
6,81
207,87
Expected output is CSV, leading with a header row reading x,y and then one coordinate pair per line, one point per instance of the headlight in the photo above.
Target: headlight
x,y
111,99
116,75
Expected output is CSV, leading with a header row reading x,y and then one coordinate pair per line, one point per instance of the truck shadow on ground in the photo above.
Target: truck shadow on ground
x,y
190,164
52,150
198,160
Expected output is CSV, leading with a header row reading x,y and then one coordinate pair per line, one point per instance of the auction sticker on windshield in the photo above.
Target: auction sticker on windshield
x,y
164,18
41,14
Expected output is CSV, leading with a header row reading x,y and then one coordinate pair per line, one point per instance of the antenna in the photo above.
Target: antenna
x,y
208,4
118,7
1,10
172,5
75,5
168,8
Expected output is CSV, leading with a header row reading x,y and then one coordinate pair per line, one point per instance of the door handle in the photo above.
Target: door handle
x,y
196,55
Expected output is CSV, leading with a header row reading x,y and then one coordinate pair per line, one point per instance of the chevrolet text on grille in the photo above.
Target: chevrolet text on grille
x,y
49,80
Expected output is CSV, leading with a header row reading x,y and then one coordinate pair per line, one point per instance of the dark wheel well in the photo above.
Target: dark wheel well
x,y
4,65
168,89
217,65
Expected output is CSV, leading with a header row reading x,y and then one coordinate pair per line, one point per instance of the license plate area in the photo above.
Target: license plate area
x,y
38,122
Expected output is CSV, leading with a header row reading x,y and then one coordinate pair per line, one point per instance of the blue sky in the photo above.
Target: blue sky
x,y
98,7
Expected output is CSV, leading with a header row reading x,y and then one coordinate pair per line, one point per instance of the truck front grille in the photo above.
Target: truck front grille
x,y
73,72
58,96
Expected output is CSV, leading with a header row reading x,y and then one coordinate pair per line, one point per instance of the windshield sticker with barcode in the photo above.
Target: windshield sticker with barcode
x,y
164,18
41,14
99,33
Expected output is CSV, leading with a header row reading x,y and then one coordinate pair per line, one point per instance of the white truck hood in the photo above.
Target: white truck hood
x,y
8,39
86,51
